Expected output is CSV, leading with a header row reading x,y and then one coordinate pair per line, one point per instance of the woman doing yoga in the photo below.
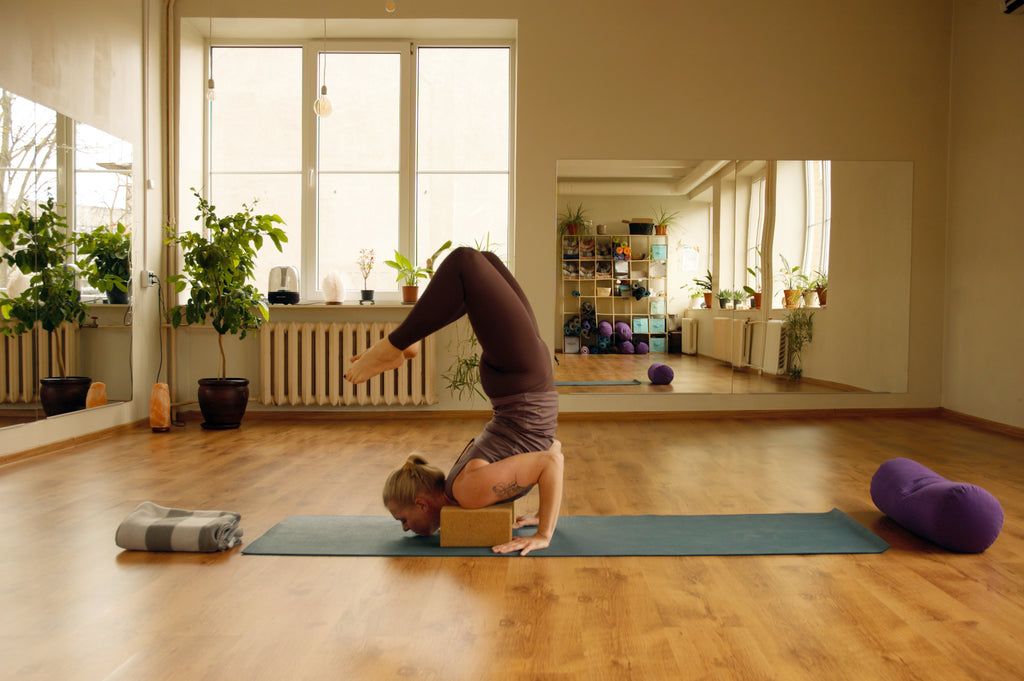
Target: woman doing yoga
x,y
516,449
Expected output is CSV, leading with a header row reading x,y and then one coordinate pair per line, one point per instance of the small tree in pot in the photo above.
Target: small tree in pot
x,y
42,247
108,262
219,268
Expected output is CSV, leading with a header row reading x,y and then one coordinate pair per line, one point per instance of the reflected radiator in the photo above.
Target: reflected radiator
x,y
304,363
768,347
730,341
688,332
33,355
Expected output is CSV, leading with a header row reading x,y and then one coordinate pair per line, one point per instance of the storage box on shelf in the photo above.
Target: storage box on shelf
x,y
614,278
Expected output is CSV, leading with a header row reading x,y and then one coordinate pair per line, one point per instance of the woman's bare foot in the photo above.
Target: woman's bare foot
x,y
383,356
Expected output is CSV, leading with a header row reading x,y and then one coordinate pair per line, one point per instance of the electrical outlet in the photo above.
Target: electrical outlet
x,y
148,278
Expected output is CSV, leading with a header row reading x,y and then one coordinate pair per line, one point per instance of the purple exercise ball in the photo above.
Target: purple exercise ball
x,y
660,374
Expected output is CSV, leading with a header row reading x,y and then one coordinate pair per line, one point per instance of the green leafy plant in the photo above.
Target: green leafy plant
x,y
433,258
799,332
792,277
705,284
463,375
819,282
42,247
755,272
108,251
663,217
573,220
219,267
408,273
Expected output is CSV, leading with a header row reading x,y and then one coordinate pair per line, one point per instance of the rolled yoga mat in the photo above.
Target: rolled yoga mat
x,y
643,535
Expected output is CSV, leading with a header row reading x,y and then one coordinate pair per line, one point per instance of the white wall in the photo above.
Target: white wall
x,y
983,366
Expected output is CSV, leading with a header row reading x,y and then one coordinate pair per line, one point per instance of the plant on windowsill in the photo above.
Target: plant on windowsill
x,y
218,266
706,286
799,332
409,275
107,265
793,281
724,296
573,221
820,284
754,292
43,248
365,261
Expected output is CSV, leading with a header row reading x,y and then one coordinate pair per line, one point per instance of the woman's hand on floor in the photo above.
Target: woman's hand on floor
x,y
526,521
524,544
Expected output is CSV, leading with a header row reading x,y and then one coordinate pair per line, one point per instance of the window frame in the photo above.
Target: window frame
x,y
312,48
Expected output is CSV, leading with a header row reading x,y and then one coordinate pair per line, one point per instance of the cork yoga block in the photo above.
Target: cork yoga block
x,y
487,526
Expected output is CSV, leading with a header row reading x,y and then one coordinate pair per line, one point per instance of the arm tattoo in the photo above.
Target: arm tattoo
x,y
507,490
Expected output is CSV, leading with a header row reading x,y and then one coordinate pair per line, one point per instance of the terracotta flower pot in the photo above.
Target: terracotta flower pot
x,y
822,293
410,294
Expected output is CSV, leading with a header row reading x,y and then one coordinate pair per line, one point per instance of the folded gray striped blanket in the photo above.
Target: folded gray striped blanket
x,y
152,527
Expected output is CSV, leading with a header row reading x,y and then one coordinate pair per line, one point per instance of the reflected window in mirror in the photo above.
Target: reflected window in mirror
x,y
102,211
803,222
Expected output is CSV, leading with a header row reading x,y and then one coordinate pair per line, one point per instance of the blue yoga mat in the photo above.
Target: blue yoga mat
x,y
641,535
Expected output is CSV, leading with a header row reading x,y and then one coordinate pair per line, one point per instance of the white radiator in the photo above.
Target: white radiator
x,y
688,330
768,347
33,355
730,341
304,363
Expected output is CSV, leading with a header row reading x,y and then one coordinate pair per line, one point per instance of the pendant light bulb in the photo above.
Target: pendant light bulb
x,y
390,7
323,105
211,94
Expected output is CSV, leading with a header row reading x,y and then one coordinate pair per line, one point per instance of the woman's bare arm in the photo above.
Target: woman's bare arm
x,y
486,484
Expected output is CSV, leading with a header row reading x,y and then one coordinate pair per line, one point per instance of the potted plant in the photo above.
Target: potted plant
x,y
754,291
365,261
724,296
573,220
409,275
433,258
820,285
706,286
219,268
792,279
662,220
107,265
799,332
42,247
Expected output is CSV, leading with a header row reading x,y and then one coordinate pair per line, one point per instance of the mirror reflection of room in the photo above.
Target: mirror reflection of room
x,y
730,289
65,275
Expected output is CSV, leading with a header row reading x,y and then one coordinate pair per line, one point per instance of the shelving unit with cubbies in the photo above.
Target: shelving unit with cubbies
x,y
614,278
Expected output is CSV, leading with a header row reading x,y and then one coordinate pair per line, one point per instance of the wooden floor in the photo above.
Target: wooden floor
x,y
692,374
75,607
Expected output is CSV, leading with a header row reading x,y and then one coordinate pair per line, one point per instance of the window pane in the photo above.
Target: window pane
x,y
29,133
103,178
256,118
463,109
463,136
469,209
358,211
363,132
278,194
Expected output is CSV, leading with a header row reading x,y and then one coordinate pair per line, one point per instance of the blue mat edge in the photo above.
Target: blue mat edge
x,y
414,547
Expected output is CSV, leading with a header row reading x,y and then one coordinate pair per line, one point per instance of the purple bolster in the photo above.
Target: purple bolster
x,y
957,516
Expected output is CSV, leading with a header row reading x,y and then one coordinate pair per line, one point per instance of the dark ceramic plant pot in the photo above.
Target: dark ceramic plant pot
x,y
366,297
63,395
223,402
116,296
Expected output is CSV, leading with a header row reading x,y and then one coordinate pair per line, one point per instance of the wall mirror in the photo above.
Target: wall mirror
x,y
744,227
87,173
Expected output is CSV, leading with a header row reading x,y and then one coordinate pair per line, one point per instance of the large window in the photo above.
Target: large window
x,y
416,152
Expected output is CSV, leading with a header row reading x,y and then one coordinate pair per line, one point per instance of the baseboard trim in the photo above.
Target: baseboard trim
x,y
983,424
77,440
